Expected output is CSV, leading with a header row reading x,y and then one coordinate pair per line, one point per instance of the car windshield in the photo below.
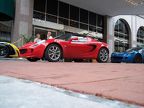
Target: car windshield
x,y
67,36
64,37
134,49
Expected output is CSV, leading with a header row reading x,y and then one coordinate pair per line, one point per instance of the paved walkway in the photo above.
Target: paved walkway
x,y
124,82
18,93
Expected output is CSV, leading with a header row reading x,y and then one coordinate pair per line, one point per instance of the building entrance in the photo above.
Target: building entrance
x,y
43,32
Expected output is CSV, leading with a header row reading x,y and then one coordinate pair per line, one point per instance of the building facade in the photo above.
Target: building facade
x,y
40,16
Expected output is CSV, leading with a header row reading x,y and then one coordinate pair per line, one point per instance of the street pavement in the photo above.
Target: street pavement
x,y
16,93
122,82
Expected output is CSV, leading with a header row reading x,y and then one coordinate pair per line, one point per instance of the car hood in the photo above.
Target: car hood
x,y
28,44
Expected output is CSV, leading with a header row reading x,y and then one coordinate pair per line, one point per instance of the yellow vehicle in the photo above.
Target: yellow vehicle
x,y
8,50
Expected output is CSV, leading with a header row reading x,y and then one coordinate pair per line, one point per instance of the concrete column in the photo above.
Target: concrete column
x,y
105,29
110,34
133,35
23,19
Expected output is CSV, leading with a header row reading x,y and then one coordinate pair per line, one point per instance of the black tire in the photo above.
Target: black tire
x,y
4,51
78,60
115,62
103,55
53,53
32,59
138,58
68,60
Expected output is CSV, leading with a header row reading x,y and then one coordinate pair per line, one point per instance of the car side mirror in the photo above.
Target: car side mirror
x,y
73,39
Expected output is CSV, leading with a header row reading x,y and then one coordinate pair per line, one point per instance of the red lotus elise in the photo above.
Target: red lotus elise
x,y
68,46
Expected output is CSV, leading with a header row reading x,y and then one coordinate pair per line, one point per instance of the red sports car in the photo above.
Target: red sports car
x,y
68,46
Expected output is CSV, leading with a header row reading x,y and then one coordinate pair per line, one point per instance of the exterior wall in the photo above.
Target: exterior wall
x,y
110,34
134,23
23,19
68,18
56,26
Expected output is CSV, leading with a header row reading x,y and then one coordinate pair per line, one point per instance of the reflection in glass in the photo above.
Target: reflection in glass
x,y
140,36
121,36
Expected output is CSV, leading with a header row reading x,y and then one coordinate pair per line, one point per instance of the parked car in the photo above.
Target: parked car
x,y
132,55
8,50
67,46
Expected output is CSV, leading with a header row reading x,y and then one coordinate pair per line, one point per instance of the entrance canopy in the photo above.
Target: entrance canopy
x,y
110,7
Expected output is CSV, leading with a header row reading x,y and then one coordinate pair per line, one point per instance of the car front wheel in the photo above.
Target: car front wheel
x,y
103,55
53,53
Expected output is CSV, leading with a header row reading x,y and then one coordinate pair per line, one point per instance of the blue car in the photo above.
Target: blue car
x,y
133,55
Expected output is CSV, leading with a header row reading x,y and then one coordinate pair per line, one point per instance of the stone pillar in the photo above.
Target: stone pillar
x,y
110,34
105,29
23,19
133,35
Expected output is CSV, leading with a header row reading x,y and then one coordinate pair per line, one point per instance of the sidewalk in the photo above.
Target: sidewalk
x,y
123,82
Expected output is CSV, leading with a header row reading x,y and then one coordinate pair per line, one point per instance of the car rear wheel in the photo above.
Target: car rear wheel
x,y
138,59
32,59
4,51
103,55
53,53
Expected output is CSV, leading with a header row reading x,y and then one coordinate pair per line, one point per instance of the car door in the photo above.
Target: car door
x,y
78,47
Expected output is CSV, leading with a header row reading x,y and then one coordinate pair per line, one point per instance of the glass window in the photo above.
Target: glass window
x,y
5,30
100,21
121,36
51,18
52,6
117,26
74,24
92,18
121,27
63,21
83,26
99,30
63,10
38,15
74,13
84,16
92,28
39,5
140,36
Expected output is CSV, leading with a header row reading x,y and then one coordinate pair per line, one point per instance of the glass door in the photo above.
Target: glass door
x,y
43,32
